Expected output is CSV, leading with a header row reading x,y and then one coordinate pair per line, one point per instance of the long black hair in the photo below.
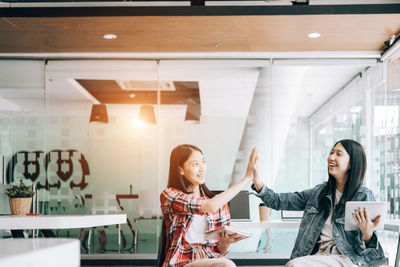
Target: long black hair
x,y
179,156
356,173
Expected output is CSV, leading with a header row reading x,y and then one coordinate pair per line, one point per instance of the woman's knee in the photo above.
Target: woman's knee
x,y
225,263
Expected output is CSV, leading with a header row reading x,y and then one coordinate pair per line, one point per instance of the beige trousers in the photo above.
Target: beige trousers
x,y
329,256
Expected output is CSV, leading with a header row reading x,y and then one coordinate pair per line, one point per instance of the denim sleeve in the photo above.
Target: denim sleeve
x,y
284,201
360,246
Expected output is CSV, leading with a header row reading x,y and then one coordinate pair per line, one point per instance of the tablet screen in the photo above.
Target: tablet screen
x,y
374,209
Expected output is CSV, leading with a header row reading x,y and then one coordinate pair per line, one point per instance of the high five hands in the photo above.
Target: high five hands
x,y
254,170
252,165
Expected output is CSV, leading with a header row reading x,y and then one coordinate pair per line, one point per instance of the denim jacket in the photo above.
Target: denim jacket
x,y
348,243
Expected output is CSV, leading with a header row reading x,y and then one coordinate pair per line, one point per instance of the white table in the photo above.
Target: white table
x,y
16,222
40,252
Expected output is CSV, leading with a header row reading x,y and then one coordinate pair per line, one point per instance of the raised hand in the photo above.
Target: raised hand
x,y
256,179
252,165
365,224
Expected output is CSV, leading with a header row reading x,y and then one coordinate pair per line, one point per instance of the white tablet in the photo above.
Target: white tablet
x,y
374,209
213,234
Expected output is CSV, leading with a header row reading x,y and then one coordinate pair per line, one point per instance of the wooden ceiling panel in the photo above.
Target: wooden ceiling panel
x,y
198,33
15,39
338,32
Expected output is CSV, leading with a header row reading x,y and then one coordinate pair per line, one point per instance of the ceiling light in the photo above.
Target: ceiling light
x,y
314,35
217,45
146,114
138,124
110,36
132,95
99,113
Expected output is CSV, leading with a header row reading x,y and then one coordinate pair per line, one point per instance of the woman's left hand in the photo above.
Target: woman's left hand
x,y
365,224
226,238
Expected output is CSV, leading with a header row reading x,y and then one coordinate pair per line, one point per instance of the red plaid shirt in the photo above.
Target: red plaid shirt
x,y
178,208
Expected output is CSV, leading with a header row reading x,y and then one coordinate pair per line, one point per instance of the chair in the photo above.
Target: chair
x,y
396,262
161,245
102,203
132,213
5,209
394,228
149,204
148,208
4,205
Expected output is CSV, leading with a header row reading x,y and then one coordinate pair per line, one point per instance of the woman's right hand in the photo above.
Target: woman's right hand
x,y
256,179
252,165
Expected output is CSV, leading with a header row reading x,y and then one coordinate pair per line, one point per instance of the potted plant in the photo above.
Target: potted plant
x,y
20,198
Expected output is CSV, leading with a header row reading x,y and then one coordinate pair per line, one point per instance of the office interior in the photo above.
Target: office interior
x,y
91,122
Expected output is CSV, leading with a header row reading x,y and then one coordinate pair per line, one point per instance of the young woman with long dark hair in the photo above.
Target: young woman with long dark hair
x,y
322,240
190,209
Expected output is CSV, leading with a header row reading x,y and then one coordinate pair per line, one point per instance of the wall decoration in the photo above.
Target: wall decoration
x,y
34,163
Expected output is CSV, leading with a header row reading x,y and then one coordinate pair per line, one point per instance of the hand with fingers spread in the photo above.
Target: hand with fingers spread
x,y
365,224
256,179
252,165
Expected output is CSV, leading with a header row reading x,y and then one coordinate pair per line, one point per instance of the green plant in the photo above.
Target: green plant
x,y
19,190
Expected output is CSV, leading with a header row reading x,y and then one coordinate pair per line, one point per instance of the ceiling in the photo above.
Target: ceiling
x,y
78,35
80,32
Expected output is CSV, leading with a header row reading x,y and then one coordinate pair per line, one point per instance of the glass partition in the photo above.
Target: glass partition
x,y
386,115
22,125
95,136
366,110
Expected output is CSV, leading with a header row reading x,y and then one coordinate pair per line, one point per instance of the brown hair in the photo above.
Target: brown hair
x,y
179,156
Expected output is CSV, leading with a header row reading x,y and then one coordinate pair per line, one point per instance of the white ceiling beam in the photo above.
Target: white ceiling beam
x,y
214,55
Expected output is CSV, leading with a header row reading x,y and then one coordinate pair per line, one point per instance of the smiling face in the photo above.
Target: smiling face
x,y
338,162
194,169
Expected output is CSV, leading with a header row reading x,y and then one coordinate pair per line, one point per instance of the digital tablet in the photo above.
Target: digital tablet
x,y
374,208
214,234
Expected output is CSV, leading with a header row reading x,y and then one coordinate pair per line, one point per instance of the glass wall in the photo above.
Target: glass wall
x,y
22,123
367,110
343,117
292,110
390,113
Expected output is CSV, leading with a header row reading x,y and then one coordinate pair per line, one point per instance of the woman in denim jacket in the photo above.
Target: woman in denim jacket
x,y
322,240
